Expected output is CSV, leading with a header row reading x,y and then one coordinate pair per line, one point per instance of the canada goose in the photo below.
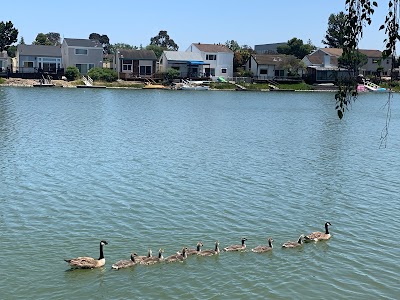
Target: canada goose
x,y
154,259
88,262
126,263
237,247
260,249
210,252
139,258
291,244
193,251
177,257
319,236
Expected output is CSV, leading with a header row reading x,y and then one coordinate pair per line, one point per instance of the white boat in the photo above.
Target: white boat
x,y
193,86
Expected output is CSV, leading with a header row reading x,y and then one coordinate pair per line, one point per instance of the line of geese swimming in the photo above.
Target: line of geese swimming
x,y
180,256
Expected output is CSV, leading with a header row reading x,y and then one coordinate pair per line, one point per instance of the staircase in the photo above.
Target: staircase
x,y
87,80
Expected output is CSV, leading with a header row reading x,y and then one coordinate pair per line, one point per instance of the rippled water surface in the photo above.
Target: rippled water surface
x,y
165,169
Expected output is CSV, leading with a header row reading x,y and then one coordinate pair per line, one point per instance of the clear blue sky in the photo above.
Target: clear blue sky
x,y
135,22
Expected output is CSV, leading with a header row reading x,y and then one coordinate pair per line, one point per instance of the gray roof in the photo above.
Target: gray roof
x,y
212,47
39,50
137,54
183,56
87,43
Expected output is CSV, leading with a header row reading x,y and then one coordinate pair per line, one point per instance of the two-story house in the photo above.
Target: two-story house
x,y
84,54
322,64
218,57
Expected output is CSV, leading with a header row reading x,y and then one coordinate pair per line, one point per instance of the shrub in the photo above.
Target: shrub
x,y
2,80
100,74
72,73
170,74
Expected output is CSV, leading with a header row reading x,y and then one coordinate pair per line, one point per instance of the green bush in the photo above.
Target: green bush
x,y
2,80
72,73
170,74
100,74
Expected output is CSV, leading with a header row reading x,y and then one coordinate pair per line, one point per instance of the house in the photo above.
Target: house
x,y
322,64
38,59
84,54
268,48
219,59
268,66
5,63
131,64
189,64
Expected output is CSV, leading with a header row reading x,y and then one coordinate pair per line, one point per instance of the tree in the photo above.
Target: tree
x,y
8,35
54,38
293,65
296,47
241,54
41,39
164,41
158,50
22,41
103,39
72,73
352,61
113,48
335,37
233,45
11,51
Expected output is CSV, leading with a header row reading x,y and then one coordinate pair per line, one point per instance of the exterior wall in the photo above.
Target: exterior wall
x,y
375,62
224,61
93,57
38,62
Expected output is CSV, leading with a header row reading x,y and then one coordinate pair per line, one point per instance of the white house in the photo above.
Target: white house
x,y
5,62
218,57
189,64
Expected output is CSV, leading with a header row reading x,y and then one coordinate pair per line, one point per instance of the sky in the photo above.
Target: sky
x,y
133,22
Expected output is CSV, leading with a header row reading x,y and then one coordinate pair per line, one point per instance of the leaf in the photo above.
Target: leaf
x,y
340,114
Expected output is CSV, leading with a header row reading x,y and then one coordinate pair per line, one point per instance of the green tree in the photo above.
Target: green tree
x,y
8,35
41,39
233,45
158,50
103,74
72,73
103,39
352,61
296,47
164,41
335,37
22,41
293,65
113,48
54,38
11,51
170,74
241,55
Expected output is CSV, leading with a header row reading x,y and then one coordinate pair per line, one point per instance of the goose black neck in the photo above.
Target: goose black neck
x,y
198,247
270,243
326,229
101,251
216,246
243,242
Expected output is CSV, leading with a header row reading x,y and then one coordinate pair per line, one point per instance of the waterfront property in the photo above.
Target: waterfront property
x,y
5,62
218,57
84,54
189,64
135,64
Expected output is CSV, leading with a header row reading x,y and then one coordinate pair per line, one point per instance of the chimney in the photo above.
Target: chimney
x,y
327,61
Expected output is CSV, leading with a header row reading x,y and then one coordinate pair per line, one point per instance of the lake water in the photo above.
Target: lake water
x,y
165,169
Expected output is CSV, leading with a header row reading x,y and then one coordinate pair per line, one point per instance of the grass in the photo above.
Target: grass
x,y
2,80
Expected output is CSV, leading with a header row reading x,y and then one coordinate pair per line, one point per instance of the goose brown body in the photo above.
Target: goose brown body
x,y
86,262
292,244
193,251
154,259
241,247
261,248
319,236
177,257
210,252
126,263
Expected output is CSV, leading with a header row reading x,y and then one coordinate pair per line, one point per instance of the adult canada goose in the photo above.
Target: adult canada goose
x,y
260,249
291,244
193,251
154,259
126,263
210,252
319,236
177,257
88,262
139,258
241,247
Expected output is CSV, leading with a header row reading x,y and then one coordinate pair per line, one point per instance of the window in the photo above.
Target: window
x,y
375,61
176,68
279,73
81,51
84,68
211,57
210,71
223,70
28,64
145,70
127,67
263,71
